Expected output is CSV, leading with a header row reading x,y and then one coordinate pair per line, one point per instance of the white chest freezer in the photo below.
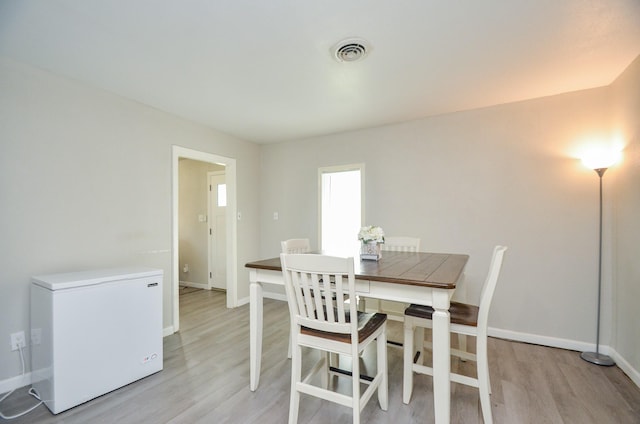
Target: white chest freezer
x,y
93,332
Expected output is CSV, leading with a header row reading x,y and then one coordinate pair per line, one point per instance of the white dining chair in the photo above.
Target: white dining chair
x,y
298,245
333,327
395,310
401,244
466,319
295,245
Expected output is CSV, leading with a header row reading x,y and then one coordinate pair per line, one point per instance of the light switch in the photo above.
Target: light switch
x,y
275,216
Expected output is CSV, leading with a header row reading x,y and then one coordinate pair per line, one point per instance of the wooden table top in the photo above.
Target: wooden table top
x,y
438,270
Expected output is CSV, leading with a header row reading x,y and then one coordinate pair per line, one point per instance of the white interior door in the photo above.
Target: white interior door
x,y
217,231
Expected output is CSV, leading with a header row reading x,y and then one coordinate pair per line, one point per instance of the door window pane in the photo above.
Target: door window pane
x,y
222,195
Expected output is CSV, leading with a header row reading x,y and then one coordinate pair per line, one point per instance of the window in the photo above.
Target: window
x,y
340,208
222,195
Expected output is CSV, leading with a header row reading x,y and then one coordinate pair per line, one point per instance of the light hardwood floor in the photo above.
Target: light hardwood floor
x,y
206,380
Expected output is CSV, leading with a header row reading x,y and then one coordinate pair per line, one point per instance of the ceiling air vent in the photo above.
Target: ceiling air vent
x,y
351,50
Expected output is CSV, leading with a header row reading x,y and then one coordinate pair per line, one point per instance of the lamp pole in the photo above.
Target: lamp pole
x,y
597,357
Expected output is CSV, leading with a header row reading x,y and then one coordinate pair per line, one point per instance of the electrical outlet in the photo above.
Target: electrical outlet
x,y
17,340
36,336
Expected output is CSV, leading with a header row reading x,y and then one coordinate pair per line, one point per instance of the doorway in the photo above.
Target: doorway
x,y
230,227
341,203
217,235
194,223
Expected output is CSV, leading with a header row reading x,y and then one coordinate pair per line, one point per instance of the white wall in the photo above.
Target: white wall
x,y
465,182
627,225
85,182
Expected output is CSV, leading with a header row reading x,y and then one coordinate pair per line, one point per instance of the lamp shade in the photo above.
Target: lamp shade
x,y
601,158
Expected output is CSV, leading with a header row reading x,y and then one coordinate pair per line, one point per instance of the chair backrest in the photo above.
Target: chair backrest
x,y
401,244
489,287
300,245
317,287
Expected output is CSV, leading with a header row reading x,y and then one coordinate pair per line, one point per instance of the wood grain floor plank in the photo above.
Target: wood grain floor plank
x,y
206,380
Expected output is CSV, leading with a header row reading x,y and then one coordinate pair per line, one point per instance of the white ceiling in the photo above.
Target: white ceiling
x,y
263,70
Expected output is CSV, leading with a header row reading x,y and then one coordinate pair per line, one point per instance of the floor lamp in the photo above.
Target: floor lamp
x,y
599,164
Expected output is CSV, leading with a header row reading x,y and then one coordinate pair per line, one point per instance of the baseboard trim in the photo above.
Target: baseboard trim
x,y
15,383
567,344
631,372
543,340
195,285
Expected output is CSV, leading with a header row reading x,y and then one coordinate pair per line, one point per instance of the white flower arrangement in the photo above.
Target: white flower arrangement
x,y
371,233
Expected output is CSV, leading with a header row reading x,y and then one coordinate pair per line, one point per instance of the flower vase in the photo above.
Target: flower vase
x,y
370,251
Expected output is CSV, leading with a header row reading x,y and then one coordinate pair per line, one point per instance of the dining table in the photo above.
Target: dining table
x,y
422,278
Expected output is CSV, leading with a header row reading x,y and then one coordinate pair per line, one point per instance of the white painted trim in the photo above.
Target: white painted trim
x,y
178,152
15,382
567,344
209,264
543,340
633,374
195,285
243,301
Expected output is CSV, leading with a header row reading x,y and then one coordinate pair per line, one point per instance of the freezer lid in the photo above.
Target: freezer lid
x,y
92,277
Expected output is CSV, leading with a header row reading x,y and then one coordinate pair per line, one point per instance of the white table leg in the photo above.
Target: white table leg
x,y
255,333
441,357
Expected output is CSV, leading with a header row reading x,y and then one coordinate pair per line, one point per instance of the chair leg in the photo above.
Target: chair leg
x,y
462,344
324,378
296,373
488,380
334,360
407,385
484,385
355,391
362,304
383,388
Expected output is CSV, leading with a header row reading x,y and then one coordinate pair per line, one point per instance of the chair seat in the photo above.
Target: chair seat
x,y
332,327
465,319
461,313
368,323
